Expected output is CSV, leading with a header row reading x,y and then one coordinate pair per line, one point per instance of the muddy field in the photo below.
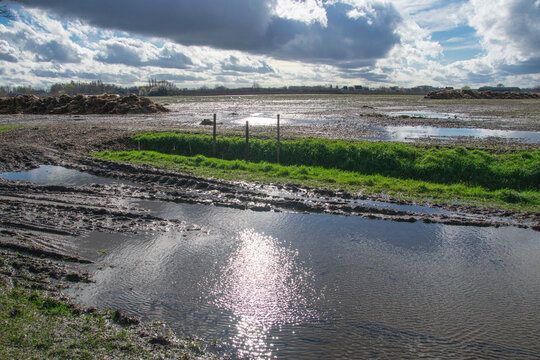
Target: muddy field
x,y
38,222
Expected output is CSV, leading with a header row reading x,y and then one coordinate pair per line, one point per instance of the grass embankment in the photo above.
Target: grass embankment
x,y
35,326
399,170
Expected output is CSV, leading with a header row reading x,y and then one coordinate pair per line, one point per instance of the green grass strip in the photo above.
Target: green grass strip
x,y
320,177
442,165
6,128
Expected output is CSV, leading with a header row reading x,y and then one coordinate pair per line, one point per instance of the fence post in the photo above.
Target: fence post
x,y
214,139
278,140
247,140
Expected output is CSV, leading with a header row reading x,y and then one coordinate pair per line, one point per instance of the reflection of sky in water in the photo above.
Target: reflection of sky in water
x,y
56,175
263,286
403,133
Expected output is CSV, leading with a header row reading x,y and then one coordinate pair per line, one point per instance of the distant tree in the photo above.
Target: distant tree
x,y
466,87
160,90
500,85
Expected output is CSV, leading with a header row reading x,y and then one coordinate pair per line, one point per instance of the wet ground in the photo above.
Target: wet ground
x,y
69,195
280,271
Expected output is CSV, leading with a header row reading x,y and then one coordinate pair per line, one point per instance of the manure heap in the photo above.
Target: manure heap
x,y
80,104
471,94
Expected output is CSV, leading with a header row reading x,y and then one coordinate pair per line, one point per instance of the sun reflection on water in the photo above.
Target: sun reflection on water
x,y
264,286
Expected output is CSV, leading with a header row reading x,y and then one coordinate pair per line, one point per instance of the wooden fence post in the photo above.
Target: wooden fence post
x,y
214,139
247,140
278,140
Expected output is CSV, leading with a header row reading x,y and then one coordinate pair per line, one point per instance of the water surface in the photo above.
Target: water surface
x,y
302,286
287,285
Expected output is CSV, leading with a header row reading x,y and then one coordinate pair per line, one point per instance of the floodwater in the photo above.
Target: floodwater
x,y
327,109
287,285
411,133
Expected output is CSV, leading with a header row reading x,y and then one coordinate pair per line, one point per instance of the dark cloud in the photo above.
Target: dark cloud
x,y
233,64
246,25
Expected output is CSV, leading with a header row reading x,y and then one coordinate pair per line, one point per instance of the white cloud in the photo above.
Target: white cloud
x,y
273,43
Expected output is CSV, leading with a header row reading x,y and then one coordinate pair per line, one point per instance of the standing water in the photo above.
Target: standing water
x,y
288,285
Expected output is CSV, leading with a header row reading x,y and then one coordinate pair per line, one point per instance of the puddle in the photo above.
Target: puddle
x,y
410,133
286,285
306,286
57,175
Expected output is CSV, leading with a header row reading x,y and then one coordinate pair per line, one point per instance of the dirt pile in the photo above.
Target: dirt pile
x,y
80,104
470,94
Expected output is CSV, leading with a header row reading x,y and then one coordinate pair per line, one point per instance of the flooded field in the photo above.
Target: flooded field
x,y
281,270
389,118
380,118
291,285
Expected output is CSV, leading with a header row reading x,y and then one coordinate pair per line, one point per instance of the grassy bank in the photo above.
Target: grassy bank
x,y
36,326
320,177
448,166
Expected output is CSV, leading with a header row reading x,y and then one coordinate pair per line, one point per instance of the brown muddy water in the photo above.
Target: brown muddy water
x,y
304,286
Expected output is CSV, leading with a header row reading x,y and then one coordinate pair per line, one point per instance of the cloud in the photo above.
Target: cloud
x,y
6,52
530,66
346,34
233,63
366,75
120,51
55,51
176,78
169,57
137,53
511,34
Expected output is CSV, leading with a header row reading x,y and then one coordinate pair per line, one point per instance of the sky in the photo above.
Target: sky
x,y
272,43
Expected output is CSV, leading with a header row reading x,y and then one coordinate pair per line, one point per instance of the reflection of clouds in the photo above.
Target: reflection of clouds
x,y
263,285
402,133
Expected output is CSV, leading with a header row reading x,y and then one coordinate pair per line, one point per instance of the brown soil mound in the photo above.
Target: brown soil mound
x,y
470,94
80,104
